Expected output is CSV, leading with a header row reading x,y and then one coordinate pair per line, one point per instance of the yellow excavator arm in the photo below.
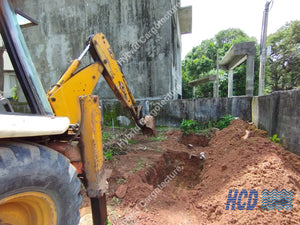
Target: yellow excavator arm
x,y
29,145
71,97
63,97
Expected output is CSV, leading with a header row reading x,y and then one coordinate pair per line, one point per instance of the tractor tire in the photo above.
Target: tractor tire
x,y
38,186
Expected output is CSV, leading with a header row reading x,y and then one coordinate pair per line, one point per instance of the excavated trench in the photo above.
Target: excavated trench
x,y
185,169
182,168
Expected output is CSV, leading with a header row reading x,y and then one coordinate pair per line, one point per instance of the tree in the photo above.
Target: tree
x,y
199,61
202,60
283,69
228,36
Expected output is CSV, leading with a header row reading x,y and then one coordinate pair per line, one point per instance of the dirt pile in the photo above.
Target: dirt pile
x,y
175,186
242,157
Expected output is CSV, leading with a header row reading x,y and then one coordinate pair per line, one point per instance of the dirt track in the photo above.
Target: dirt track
x,y
167,183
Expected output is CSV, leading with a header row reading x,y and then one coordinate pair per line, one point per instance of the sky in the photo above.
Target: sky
x,y
212,16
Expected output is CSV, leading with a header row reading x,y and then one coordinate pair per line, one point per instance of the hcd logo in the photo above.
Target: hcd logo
x,y
277,199
270,199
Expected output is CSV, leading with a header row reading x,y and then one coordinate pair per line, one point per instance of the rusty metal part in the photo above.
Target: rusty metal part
x,y
99,210
71,151
148,125
78,166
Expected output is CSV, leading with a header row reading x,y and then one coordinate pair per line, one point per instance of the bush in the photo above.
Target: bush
x,y
189,126
275,139
224,122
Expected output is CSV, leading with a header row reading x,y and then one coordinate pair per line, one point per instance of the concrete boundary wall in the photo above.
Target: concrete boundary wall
x,y
277,113
203,110
171,112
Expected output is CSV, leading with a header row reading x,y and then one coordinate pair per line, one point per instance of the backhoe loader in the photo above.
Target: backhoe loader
x,y
45,156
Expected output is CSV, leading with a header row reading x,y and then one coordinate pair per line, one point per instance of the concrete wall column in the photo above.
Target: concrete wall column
x,y
250,75
230,83
194,92
216,89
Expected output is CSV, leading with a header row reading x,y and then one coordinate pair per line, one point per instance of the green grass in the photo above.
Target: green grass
x,y
158,138
132,142
121,181
162,129
116,200
106,136
108,154
141,165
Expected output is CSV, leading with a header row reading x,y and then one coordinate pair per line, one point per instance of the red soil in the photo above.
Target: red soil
x,y
167,183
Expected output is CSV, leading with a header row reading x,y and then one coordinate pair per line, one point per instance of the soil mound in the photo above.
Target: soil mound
x,y
176,186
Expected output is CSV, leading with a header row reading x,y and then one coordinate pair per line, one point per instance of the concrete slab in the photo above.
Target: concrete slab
x,y
185,19
237,54
202,80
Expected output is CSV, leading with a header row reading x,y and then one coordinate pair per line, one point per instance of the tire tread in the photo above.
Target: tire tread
x,y
33,163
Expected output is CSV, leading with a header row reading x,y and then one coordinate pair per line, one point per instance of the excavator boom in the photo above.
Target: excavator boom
x,y
62,96
71,97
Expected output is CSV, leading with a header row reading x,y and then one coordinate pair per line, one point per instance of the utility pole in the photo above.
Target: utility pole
x,y
263,49
1,71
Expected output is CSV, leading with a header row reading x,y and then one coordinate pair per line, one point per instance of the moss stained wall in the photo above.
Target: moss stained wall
x,y
65,25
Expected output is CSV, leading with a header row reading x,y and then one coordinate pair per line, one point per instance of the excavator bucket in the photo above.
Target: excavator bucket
x,y
149,125
147,122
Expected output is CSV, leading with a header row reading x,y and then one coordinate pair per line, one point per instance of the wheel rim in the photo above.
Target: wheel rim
x,y
29,208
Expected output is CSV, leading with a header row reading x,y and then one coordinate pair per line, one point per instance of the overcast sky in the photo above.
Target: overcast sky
x,y
212,16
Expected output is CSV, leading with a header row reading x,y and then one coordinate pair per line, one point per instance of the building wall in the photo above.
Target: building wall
x,y
153,69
